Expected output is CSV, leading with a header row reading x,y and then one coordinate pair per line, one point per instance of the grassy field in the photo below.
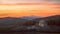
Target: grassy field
x,y
27,32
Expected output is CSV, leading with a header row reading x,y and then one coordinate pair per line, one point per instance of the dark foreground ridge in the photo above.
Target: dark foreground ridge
x,y
44,24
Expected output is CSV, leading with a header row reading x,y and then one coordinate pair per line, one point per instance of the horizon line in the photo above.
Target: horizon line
x,y
26,16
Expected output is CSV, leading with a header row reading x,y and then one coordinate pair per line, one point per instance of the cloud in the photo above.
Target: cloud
x,y
53,1
3,14
20,1
29,1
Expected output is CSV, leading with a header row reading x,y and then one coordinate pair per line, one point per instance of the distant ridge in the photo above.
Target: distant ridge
x,y
30,17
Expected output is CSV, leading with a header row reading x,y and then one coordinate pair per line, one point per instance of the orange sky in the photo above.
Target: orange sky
x,y
28,10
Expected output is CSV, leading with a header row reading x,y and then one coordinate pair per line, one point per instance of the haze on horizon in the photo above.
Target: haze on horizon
x,y
17,8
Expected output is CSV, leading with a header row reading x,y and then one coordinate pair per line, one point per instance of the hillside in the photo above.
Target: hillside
x,y
44,24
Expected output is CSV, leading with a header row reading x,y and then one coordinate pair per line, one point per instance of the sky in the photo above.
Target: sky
x,y
28,1
17,8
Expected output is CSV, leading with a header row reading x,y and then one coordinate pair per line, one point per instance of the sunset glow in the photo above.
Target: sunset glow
x,y
16,9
